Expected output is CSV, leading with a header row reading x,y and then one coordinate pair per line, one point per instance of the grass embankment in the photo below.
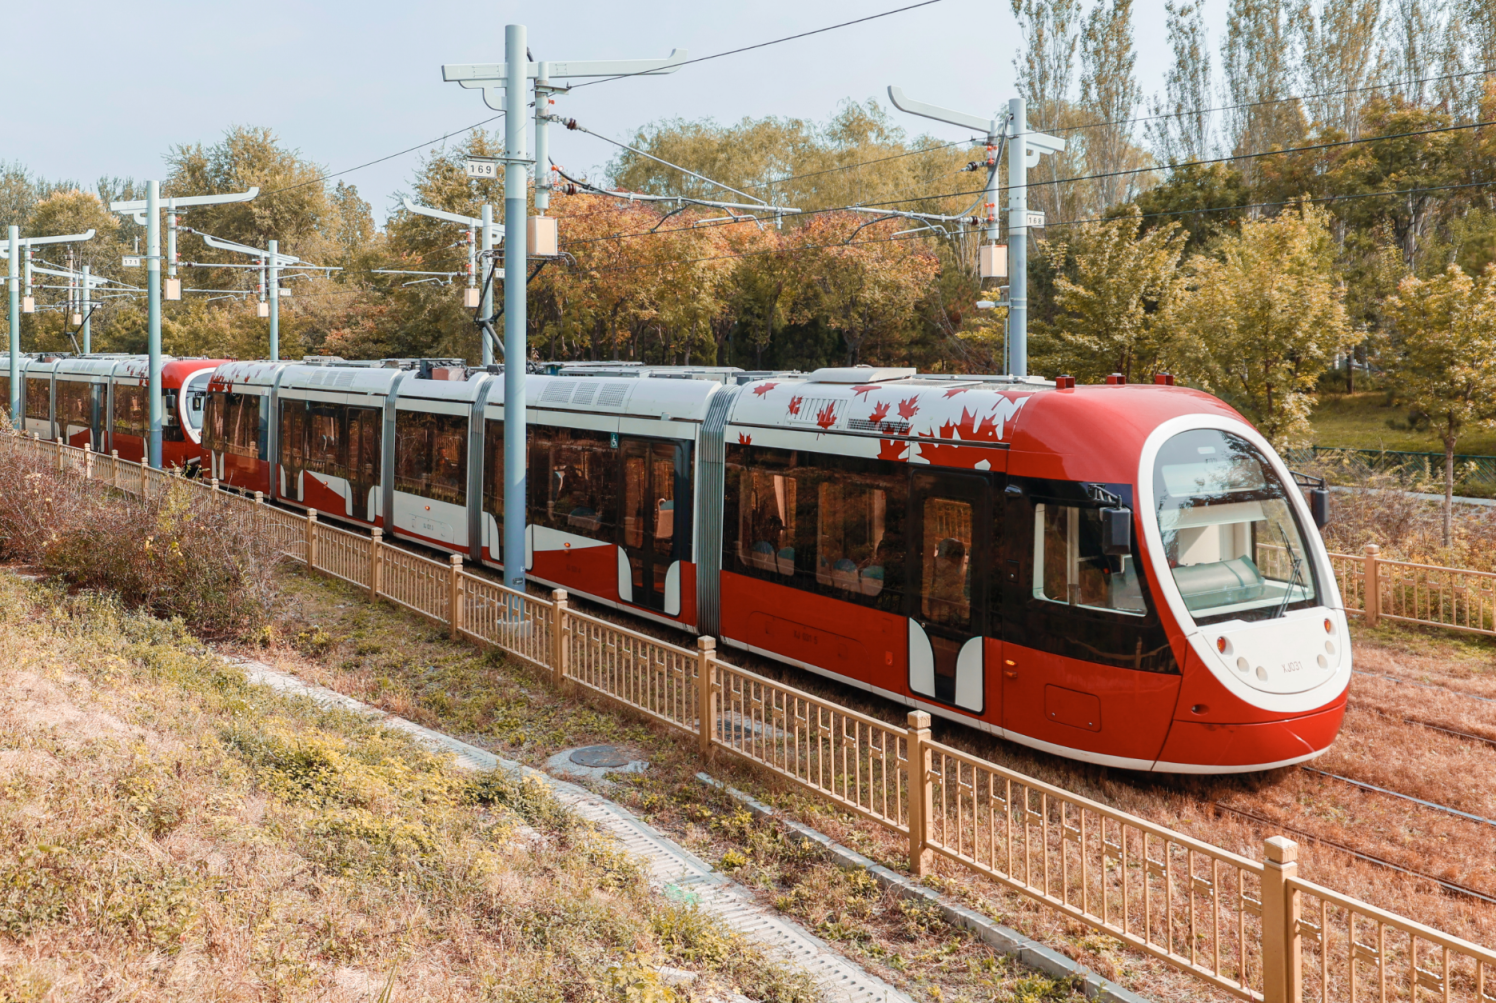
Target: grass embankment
x,y
399,663
168,831
1367,420
390,659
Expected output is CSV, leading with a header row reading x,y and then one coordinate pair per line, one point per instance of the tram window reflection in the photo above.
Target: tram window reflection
x,y
431,455
945,593
573,477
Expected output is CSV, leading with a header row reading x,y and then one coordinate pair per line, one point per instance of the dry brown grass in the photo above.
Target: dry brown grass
x,y
177,554
168,831
1385,510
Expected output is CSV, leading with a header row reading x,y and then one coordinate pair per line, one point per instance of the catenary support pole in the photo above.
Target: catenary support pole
x,y
153,315
86,302
517,58
487,264
1018,238
273,266
13,273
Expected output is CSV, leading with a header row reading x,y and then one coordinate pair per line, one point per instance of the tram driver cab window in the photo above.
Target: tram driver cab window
x,y
1070,566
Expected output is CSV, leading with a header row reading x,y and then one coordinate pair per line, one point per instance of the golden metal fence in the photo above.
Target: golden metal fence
x,y
1351,951
1455,598
1177,898
855,761
1252,929
651,676
343,555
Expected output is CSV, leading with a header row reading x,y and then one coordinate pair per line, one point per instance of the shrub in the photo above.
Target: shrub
x,y
180,555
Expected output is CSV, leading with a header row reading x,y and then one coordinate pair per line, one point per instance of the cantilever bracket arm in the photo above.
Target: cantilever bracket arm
x,y
137,206
453,217
64,238
490,77
987,126
229,245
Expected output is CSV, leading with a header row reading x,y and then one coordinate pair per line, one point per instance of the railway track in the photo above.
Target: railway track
x,y
1276,826
1406,797
1427,686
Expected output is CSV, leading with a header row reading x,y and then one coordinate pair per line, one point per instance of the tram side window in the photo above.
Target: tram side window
x,y
431,455
5,395
293,436
213,408
73,402
130,413
38,399
1070,568
361,455
493,468
832,525
324,439
946,557
171,422
573,478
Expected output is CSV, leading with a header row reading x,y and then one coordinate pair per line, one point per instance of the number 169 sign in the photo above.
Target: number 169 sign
x,y
482,169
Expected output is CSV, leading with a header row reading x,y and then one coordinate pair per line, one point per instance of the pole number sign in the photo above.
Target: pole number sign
x,y
482,168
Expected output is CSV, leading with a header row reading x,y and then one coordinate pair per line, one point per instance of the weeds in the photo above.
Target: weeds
x,y
179,555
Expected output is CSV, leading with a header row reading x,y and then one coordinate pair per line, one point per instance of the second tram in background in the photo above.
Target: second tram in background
x,y
1122,574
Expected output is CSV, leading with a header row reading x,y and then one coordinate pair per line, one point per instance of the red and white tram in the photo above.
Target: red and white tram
x,y
1123,574
102,401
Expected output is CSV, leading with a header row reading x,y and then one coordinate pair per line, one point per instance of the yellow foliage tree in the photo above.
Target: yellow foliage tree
x,y
1448,330
1260,318
1111,313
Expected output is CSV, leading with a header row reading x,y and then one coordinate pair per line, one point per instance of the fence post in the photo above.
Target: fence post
x,y
706,693
1282,957
454,597
376,562
114,469
559,646
311,539
1371,586
919,792
87,462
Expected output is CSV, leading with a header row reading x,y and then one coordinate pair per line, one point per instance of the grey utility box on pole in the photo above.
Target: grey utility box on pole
x,y
14,247
1024,150
513,76
147,211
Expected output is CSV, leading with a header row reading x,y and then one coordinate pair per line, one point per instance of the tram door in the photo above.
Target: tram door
x,y
949,552
655,532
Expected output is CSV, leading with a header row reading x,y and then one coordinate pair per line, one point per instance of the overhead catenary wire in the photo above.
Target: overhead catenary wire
x,y
764,45
380,160
1090,177
1258,104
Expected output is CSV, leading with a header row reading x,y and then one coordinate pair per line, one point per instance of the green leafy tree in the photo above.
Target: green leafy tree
x,y
1112,302
1261,318
1447,326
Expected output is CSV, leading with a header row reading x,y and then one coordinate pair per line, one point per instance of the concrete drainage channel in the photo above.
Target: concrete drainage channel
x,y
681,874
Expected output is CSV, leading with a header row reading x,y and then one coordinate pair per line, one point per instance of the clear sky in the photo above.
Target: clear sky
x,y
95,88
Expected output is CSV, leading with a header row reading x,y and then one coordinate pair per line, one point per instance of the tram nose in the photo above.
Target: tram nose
x,y
1284,655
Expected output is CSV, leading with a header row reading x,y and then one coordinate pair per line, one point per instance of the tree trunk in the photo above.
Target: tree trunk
x,y
1448,490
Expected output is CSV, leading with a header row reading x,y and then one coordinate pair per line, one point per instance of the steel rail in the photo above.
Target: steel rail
x,y
1406,797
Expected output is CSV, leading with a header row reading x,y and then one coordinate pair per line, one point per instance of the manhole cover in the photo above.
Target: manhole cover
x,y
604,756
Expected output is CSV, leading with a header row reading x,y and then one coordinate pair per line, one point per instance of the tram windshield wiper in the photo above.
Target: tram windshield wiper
x,y
1292,581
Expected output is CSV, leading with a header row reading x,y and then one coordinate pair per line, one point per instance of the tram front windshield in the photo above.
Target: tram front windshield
x,y
1230,534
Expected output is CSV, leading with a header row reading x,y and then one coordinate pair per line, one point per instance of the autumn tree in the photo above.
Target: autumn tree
x,y
1447,327
1261,317
1112,302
